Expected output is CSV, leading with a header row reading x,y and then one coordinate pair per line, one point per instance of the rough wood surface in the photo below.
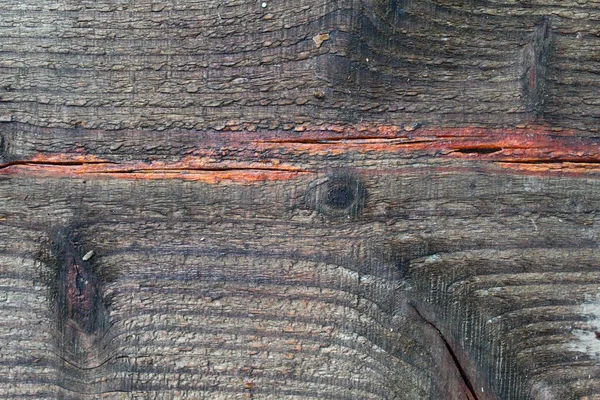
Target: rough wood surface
x,y
200,64
306,199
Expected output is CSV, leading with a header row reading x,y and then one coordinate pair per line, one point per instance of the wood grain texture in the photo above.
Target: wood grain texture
x,y
216,63
311,199
345,282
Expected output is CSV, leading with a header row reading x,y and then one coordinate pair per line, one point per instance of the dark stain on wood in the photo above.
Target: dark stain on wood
x,y
3,149
76,285
79,306
536,55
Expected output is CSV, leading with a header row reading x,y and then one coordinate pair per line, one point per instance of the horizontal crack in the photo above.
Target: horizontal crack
x,y
208,170
133,168
332,140
551,161
479,150
54,163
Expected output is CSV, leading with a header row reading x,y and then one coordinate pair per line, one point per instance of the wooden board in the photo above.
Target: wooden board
x,y
301,199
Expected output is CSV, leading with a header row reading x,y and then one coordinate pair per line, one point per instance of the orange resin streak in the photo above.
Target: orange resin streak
x,y
190,168
531,150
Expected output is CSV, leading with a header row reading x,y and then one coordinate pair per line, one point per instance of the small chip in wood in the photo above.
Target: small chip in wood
x,y
320,38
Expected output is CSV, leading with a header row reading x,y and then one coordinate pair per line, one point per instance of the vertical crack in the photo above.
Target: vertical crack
x,y
463,374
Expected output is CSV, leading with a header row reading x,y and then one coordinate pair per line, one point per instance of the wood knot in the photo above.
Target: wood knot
x,y
340,195
75,278
76,285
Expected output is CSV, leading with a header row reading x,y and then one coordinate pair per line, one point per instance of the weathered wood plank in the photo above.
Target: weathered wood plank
x,y
206,63
336,283
302,199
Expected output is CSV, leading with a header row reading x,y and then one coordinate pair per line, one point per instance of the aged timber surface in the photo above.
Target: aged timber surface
x,y
299,199
199,64
430,268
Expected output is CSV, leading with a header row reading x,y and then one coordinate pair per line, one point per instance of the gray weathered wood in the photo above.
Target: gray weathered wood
x,y
206,63
258,232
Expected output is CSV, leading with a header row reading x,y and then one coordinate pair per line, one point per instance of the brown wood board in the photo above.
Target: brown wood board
x,y
306,199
